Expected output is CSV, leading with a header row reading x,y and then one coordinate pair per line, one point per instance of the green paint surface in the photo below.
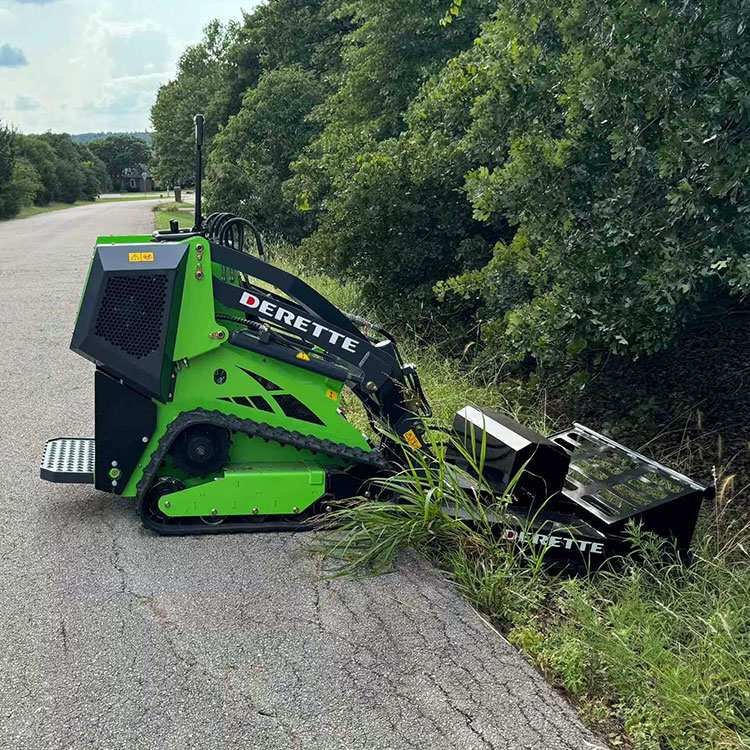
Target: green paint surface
x,y
266,475
251,489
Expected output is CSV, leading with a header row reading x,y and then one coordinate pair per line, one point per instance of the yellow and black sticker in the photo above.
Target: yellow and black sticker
x,y
140,257
303,356
412,440
332,395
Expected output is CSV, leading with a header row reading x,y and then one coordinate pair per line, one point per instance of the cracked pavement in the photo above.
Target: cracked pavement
x,y
112,637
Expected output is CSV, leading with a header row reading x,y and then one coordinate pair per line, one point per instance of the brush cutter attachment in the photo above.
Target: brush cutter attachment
x,y
576,491
218,407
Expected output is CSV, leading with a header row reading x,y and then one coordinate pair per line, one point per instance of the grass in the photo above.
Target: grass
x,y
654,654
166,212
28,211
138,197
141,196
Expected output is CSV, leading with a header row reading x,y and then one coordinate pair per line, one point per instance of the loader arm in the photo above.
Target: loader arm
x,y
318,336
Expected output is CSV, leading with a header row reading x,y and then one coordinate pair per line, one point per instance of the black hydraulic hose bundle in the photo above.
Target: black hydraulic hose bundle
x,y
229,230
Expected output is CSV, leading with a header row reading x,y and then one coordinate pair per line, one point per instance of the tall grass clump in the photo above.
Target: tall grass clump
x,y
667,644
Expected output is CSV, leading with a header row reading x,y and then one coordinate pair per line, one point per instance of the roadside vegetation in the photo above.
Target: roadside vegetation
x,y
51,171
549,201
652,652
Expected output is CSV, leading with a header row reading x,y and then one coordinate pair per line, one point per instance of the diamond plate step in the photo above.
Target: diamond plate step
x,y
69,460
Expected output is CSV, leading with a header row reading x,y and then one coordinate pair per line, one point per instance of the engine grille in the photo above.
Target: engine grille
x,y
131,313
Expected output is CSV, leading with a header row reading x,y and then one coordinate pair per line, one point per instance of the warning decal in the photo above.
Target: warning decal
x,y
140,257
412,440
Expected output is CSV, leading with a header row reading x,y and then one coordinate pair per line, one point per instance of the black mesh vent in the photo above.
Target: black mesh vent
x,y
295,409
131,313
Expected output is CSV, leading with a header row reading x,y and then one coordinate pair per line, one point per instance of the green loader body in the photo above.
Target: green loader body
x,y
161,342
218,390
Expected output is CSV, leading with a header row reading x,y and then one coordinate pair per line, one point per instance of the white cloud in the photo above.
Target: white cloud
x,y
126,95
130,47
96,64
137,56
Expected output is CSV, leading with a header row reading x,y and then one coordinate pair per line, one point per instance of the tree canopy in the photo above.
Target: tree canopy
x,y
38,169
571,175
119,153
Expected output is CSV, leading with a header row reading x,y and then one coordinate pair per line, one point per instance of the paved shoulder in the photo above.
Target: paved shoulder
x,y
113,637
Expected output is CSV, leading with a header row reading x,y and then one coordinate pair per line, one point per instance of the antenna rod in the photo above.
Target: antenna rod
x,y
198,172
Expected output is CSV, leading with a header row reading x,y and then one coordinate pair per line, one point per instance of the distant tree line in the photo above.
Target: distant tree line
x,y
89,137
52,167
571,176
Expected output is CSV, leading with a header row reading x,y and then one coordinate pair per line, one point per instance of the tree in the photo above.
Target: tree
x,y
10,194
251,155
198,88
79,174
573,174
214,75
27,181
121,152
42,156
382,213
620,155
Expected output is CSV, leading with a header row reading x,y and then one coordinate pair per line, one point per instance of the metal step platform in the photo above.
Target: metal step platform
x,y
69,460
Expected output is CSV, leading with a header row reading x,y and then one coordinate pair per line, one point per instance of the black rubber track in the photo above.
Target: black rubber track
x,y
188,525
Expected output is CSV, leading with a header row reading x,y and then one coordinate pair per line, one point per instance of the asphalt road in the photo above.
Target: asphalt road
x,y
111,637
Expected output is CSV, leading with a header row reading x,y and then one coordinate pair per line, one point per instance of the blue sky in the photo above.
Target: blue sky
x,y
88,65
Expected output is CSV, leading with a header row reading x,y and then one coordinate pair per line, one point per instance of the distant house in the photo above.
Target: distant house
x,y
137,179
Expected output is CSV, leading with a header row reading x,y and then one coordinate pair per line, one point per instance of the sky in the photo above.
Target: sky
x,y
80,66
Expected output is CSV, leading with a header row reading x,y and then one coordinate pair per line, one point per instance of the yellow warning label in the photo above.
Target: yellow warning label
x,y
412,439
332,395
140,257
302,355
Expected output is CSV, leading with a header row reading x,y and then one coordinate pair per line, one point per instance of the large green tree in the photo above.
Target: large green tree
x,y
251,155
602,150
42,156
10,194
79,174
364,179
572,173
621,157
120,152
198,88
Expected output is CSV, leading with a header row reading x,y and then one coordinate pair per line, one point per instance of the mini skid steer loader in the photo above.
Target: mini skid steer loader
x,y
217,392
